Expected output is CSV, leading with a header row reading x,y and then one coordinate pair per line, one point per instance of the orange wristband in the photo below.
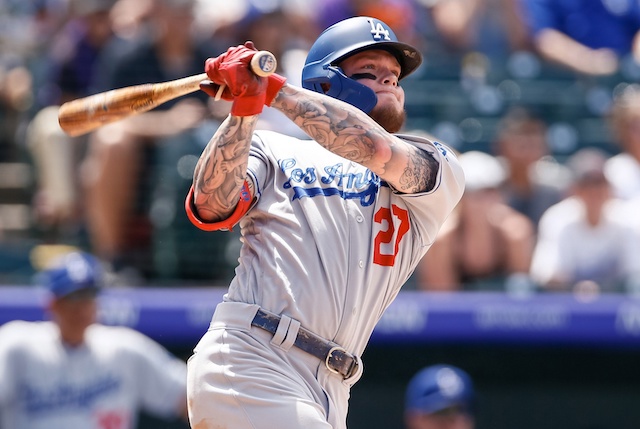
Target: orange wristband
x,y
244,203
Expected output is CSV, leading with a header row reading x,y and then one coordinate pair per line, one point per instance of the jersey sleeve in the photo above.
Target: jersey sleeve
x,y
162,376
430,209
6,370
13,335
545,262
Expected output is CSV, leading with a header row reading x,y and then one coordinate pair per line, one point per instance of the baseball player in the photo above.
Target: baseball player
x,y
331,227
440,397
71,372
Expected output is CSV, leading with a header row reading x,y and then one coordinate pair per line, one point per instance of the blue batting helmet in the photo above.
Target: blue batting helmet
x,y
73,272
347,38
438,387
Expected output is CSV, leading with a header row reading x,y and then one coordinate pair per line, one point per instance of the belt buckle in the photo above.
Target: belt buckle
x,y
329,354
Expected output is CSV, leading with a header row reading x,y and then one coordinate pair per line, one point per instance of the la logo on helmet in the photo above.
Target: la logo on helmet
x,y
378,30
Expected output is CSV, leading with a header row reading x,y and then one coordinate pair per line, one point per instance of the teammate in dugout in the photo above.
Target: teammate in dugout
x,y
71,372
331,227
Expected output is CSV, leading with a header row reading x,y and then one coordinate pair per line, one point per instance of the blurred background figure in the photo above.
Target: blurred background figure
x,y
485,244
403,16
117,172
590,37
440,397
585,243
623,169
75,51
71,62
72,372
491,27
534,180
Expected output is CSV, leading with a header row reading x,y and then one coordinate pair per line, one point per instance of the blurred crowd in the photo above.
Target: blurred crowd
x,y
537,96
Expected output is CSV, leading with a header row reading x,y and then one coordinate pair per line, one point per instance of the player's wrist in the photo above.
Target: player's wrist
x,y
275,82
248,105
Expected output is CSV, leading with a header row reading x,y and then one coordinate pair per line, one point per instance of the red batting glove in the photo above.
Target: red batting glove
x,y
274,83
212,89
248,91
233,70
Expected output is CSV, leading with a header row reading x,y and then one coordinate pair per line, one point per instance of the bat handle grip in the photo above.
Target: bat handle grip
x,y
263,64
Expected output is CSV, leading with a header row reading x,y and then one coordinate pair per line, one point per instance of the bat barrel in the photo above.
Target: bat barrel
x,y
84,115
81,116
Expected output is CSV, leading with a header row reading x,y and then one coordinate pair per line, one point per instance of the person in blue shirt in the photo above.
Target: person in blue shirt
x,y
587,36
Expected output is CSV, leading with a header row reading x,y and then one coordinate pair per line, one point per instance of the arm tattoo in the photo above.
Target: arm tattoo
x,y
351,134
421,172
222,168
332,126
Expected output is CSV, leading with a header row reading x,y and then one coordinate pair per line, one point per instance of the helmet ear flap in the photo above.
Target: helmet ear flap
x,y
332,81
350,91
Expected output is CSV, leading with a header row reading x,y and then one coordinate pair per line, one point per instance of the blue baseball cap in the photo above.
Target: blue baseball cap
x,y
438,387
73,272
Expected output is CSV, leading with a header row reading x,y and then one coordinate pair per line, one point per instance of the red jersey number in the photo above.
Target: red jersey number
x,y
394,217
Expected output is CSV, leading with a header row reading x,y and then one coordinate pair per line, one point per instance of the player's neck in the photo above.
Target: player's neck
x,y
72,339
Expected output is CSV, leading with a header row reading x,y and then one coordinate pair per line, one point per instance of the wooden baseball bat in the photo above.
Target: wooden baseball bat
x,y
84,115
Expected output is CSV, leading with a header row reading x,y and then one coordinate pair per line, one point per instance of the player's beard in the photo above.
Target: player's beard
x,y
389,118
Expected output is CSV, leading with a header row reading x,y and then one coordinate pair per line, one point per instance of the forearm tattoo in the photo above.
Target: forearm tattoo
x,y
331,125
222,168
351,134
421,171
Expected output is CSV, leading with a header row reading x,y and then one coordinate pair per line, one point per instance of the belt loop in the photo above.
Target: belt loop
x,y
356,371
292,334
281,332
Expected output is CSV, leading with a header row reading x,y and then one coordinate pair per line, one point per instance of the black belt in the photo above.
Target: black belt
x,y
336,358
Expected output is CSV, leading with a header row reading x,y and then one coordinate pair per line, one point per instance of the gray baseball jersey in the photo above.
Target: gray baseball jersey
x,y
329,244
101,384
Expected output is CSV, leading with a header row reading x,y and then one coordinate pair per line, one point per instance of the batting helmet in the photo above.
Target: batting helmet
x,y
73,272
347,38
438,387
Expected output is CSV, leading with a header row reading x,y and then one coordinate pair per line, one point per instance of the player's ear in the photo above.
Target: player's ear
x,y
325,87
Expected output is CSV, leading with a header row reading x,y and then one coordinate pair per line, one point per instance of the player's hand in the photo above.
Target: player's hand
x,y
274,83
212,90
233,69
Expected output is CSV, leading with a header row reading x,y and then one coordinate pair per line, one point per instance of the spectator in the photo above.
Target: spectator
x,y
72,63
71,372
484,244
16,94
120,155
404,16
493,27
587,36
584,241
75,50
534,181
440,397
623,169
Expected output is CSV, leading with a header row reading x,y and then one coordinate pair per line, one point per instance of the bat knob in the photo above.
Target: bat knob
x,y
263,63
